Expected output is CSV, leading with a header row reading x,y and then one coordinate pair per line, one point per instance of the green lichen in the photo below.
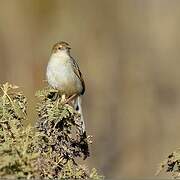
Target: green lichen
x,y
50,149
171,165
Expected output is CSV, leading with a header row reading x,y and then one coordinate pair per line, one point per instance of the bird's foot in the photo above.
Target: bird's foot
x,y
63,99
71,98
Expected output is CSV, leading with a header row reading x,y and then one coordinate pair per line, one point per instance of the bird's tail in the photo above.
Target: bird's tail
x,y
78,107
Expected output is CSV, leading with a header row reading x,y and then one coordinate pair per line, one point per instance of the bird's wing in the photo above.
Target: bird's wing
x,y
78,73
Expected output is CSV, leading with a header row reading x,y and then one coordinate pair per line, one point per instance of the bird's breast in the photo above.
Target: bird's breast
x,y
60,75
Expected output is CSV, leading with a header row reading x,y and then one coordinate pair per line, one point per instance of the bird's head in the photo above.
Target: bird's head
x,y
61,47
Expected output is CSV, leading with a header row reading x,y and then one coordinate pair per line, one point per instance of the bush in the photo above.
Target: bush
x,y
50,149
171,165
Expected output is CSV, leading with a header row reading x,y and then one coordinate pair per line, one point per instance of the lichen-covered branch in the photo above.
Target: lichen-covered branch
x,y
49,150
171,165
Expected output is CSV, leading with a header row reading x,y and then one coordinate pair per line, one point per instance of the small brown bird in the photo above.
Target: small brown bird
x,y
63,73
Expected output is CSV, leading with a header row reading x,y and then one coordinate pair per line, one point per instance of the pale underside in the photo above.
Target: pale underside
x,y
60,74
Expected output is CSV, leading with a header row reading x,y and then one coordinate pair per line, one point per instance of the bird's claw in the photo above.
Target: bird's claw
x,y
63,99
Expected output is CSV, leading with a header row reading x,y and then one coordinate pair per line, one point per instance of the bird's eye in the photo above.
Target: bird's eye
x,y
59,48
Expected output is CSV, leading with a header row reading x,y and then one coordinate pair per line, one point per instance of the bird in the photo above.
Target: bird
x,y
63,74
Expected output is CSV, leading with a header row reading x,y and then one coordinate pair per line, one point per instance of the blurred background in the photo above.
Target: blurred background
x,y
129,54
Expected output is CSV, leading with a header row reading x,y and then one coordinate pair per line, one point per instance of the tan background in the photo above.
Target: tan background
x,y
129,54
